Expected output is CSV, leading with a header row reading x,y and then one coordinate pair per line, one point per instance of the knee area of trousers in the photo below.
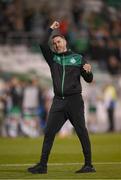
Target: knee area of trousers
x,y
49,134
81,129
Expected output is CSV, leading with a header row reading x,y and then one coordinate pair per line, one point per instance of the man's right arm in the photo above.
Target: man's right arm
x,y
46,51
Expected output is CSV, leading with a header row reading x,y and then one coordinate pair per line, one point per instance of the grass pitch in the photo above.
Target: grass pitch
x,y
16,155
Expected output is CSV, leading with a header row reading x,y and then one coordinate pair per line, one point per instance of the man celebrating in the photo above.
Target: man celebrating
x,y
66,68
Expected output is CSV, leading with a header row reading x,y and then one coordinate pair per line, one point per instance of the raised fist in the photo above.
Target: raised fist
x,y
55,25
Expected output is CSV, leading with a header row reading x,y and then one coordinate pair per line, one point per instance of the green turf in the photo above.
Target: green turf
x,y
15,154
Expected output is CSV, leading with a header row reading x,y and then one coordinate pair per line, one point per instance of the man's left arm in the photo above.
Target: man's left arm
x,y
86,72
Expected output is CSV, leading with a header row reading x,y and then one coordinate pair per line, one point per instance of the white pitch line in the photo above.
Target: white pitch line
x,y
61,164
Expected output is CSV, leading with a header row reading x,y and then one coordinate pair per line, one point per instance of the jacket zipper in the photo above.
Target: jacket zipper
x,y
63,78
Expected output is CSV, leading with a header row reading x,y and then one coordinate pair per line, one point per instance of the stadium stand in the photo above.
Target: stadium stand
x,y
92,27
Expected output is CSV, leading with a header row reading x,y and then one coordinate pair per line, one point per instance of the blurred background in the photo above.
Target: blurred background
x,y
92,28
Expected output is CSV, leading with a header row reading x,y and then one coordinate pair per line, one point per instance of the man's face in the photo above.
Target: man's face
x,y
59,44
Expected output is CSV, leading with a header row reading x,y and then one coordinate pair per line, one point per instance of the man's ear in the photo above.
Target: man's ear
x,y
65,42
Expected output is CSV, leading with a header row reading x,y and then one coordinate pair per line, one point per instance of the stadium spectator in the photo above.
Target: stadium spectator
x,y
112,48
77,12
31,95
2,105
113,65
28,19
92,108
110,99
14,113
64,26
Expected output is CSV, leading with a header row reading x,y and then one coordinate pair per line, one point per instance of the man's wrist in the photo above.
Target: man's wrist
x,y
50,30
51,27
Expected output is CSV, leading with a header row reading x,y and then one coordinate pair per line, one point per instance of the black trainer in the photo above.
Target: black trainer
x,y
86,169
38,169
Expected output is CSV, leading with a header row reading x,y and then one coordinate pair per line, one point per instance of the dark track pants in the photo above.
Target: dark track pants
x,y
111,118
71,108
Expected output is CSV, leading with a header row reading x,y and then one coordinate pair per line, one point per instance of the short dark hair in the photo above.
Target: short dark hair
x,y
58,35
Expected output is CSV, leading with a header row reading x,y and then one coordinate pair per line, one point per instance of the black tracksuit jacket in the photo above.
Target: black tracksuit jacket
x,y
66,69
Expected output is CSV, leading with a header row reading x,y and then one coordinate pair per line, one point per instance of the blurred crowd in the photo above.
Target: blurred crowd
x,y
92,28
23,108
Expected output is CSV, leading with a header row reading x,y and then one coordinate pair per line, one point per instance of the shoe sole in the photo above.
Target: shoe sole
x,y
37,172
92,171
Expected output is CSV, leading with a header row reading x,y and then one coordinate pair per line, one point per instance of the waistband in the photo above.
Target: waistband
x,y
69,96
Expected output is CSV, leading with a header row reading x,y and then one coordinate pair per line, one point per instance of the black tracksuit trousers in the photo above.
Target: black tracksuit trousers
x,y
71,108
